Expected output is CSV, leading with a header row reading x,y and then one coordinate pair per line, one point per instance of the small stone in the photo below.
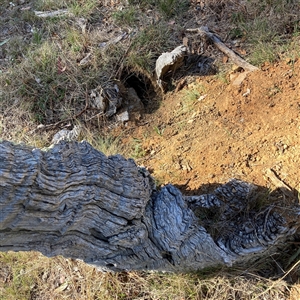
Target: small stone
x,y
123,117
202,97
239,79
247,93
38,80
135,103
102,45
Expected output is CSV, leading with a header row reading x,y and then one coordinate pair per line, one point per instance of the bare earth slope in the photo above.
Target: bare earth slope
x,y
212,131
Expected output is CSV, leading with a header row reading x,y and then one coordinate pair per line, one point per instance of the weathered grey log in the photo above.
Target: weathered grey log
x,y
72,200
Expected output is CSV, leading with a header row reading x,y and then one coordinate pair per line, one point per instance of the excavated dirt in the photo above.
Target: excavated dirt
x,y
213,130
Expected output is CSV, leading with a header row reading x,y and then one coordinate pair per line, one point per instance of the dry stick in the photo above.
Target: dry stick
x,y
279,183
95,116
45,14
203,30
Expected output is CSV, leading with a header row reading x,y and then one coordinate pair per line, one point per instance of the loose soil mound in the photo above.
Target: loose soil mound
x,y
212,131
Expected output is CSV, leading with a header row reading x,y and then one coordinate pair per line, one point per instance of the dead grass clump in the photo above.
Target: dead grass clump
x,y
268,26
65,57
33,276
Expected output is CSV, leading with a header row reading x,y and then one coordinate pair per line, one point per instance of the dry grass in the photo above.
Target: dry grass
x,y
49,65
33,276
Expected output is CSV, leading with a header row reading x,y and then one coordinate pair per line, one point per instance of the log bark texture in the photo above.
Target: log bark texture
x,y
169,61
72,200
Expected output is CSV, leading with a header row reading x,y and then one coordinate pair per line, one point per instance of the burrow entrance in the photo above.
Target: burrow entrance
x,y
144,87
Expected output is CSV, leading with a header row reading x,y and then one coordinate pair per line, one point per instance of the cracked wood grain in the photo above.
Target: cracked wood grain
x,y
72,200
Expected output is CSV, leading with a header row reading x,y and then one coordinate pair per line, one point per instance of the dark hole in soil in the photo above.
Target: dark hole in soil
x,y
143,87
139,84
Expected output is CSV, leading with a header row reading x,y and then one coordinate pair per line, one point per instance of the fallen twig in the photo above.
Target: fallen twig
x,y
45,14
279,183
203,30
4,42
